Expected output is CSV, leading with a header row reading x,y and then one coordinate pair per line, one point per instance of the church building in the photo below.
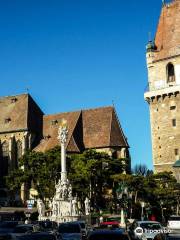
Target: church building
x,y
163,94
23,126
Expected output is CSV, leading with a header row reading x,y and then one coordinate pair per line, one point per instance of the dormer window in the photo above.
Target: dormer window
x,y
13,100
47,137
7,120
170,73
54,122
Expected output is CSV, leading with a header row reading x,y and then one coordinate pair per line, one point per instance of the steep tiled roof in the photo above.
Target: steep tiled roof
x,y
10,107
21,113
50,131
18,113
167,38
93,128
101,129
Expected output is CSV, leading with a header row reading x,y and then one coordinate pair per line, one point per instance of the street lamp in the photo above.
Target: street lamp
x,y
142,210
27,214
122,195
162,211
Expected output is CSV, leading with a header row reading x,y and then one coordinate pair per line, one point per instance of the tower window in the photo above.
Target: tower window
x,y
174,122
7,120
176,151
170,73
172,107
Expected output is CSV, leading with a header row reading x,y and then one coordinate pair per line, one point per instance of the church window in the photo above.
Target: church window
x,y
19,149
4,159
172,107
174,122
170,73
176,151
5,149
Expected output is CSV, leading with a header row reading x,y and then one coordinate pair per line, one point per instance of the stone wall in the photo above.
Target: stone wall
x,y
165,136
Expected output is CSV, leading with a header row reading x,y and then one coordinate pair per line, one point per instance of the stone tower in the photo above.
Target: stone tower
x,y
163,94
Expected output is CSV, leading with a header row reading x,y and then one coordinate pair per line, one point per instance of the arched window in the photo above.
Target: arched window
x,y
19,149
5,149
170,73
4,158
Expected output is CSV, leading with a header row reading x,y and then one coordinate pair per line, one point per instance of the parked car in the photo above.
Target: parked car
x,y
106,234
167,236
37,236
21,229
70,231
48,226
173,224
84,229
7,226
172,237
109,225
145,229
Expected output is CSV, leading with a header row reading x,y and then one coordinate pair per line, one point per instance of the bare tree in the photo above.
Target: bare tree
x,y
141,170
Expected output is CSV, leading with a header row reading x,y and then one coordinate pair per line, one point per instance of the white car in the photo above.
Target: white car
x,y
174,224
145,230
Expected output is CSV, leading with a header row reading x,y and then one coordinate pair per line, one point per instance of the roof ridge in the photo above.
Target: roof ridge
x,y
77,111
55,114
89,109
1,97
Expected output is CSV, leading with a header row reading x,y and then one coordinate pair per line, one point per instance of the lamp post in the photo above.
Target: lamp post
x,y
162,211
122,196
142,210
27,214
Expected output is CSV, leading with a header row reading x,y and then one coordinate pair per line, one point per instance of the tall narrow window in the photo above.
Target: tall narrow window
x,y
174,122
19,149
5,158
170,73
176,151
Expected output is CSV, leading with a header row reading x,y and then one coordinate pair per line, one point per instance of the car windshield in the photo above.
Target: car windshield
x,y
69,228
23,229
109,226
37,237
153,226
8,224
46,224
82,225
174,218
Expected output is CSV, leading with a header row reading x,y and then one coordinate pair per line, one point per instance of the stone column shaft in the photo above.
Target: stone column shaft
x,y
63,163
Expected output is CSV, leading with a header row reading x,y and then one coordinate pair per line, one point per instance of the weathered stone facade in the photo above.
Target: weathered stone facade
x,y
163,95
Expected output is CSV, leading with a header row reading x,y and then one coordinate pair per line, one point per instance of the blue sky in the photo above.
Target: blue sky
x,y
74,54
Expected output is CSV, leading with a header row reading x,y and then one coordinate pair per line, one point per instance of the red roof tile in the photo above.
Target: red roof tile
x,y
93,128
167,38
